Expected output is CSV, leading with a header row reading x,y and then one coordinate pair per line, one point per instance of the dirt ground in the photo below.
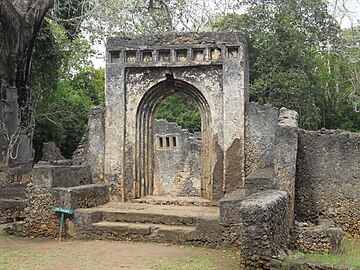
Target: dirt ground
x,y
23,253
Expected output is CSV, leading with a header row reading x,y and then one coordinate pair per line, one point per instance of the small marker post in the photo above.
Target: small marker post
x,y
62,211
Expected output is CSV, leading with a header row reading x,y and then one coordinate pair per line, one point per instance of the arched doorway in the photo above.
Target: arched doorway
x,y
144,167
140,72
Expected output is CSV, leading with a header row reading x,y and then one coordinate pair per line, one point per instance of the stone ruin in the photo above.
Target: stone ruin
x,y
251,180
177,163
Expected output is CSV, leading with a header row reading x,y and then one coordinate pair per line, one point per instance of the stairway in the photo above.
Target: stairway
x,y
165,223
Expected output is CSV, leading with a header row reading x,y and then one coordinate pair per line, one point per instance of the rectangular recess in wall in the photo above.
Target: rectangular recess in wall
x,y
130,56
233,52
146,56
114,57
161,142
215,53
164,55
198,54
181,55
174,141
167,141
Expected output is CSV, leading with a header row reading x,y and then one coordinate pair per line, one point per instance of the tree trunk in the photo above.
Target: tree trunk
x,y
19,24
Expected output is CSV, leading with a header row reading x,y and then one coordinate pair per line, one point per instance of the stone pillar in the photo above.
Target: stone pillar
x,y
115,131
234,100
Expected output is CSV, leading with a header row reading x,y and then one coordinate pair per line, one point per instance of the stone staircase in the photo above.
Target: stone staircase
x,y
12,203
166,223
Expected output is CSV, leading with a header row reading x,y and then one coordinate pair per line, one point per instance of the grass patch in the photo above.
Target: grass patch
x,y
188,263
350,255
2,233
20,259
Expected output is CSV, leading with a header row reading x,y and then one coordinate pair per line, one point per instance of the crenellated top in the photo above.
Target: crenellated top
x,y
175,49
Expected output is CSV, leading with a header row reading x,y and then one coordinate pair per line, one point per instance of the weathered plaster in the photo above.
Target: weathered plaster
x,y
141,71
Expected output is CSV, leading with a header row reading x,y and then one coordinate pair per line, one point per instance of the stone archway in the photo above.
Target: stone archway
x,y
210,67
145,117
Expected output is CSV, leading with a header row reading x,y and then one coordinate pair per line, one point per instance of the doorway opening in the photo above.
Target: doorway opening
x,y
171,160
177,147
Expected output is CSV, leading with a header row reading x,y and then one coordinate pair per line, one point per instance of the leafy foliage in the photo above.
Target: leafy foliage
x,y
338,82
180,109
65,87
285,38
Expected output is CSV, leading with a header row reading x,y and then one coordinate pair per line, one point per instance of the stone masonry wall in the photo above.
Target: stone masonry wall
x,y
328,178
260,224
90,151
265,229
260,137
271,149
310,238
11,210
176,161
40,220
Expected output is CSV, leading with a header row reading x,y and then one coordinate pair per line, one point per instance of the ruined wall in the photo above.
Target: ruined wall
x,y
11,210
260,139
328,178
51,152
176,161
270,150
59,175
90,150
310,238
12,203
40,220
264,230
260,223
67,186
141,71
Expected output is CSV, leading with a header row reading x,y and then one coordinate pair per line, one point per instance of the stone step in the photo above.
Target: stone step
x,y
154,214
182,201
13,192
143,232
146,222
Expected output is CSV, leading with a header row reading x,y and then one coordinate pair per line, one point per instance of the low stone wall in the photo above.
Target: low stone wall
x,y
84,196
265,230
60,174
310,238
328,178
260,225
11,210
41,221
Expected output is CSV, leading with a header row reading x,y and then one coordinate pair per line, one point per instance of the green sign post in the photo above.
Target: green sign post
x,y
62,211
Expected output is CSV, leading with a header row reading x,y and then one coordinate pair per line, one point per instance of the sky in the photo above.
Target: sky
x,y
352,16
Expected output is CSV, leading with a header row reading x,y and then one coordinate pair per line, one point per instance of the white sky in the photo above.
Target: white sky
x,y
349,15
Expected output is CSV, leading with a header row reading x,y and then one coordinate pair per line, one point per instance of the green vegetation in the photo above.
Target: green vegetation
x,y
350,255
182,110
300,59
190,263
65,87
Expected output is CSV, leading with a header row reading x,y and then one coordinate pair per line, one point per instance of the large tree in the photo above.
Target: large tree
x,y
20,22
284,39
